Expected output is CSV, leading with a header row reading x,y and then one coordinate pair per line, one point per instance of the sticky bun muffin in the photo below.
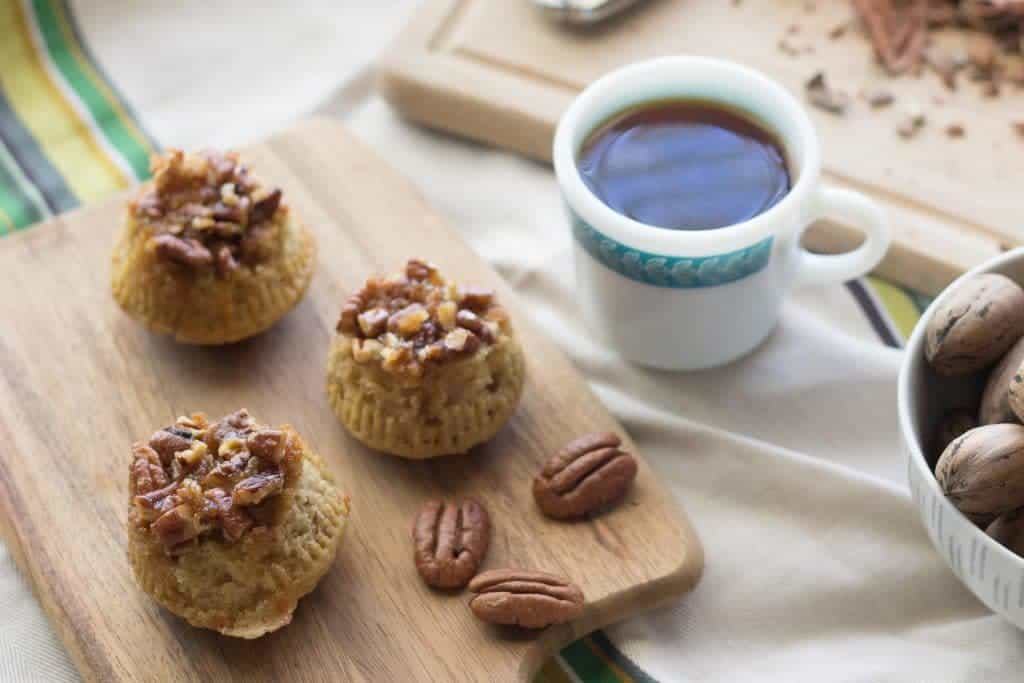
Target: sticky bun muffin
x,y
423,367
230,523
209,254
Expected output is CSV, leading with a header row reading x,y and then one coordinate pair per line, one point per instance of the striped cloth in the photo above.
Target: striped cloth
x,y
68,137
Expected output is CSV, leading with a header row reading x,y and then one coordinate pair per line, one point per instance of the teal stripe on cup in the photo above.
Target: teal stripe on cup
x,y
670,271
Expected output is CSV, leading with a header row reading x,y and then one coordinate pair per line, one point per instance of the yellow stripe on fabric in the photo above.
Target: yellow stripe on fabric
x,y
898,304
6,223
615,668
42,108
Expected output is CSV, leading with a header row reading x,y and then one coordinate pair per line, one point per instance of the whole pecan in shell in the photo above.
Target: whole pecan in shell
x,y
450,542
977,323
586,474
522,597
982,471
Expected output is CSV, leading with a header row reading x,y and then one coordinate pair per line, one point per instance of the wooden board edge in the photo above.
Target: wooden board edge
x,y
621,606
454,94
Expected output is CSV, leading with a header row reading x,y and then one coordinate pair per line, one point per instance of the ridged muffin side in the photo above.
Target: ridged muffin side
x,y
452,408
201,308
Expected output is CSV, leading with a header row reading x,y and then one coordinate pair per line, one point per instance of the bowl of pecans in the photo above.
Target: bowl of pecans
x,y
960,404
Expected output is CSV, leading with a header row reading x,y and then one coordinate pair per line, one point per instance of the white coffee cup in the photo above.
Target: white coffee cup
x,y
690,299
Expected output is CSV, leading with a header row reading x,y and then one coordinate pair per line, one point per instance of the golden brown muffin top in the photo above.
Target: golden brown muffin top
x,y
206,211
195,479
417,319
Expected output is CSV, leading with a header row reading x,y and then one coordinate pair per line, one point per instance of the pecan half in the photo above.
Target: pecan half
x,y
166,443
146,474
586,474
189,252
450,542
521,597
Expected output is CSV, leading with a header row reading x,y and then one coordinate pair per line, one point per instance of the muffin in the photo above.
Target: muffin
x,y
230,523
422,367
209,254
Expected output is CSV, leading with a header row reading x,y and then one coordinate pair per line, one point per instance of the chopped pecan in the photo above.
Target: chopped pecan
x,y
450,542
586,474
461,340
193,455
476,298
417,269
236,424
470,321
267,444
255,489
146,474
234,520
166,443
373,322
526,598
226,262
447,315
176,526
408,321
189,252
265,207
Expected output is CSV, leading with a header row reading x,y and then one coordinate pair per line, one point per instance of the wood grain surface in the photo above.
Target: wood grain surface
x,y
79,381
501,72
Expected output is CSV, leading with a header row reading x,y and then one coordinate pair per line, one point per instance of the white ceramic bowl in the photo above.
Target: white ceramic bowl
x,y
992,572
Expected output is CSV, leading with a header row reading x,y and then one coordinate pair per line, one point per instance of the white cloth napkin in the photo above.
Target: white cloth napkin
x,y
787,461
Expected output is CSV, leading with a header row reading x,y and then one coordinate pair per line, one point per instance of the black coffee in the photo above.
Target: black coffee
x,y
685,165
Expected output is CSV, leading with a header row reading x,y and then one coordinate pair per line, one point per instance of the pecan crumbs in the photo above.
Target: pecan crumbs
x,y
411,321
195,479
207,212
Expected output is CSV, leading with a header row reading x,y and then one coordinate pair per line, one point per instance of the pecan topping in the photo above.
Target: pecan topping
x,y
207,212
189,252
167,442
586,474
196,478
146,474
417,319
255,489
450,542
521,597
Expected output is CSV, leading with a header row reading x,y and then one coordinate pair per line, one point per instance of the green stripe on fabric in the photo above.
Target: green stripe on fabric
x,y
14,183
16,206
122,106
588,665
552,672
898,304
102,105
601,640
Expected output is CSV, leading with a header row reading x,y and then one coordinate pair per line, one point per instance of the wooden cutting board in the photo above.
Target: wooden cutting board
x,y
79,382
500,72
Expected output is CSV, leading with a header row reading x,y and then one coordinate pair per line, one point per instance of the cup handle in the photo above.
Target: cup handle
x,y
857,211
